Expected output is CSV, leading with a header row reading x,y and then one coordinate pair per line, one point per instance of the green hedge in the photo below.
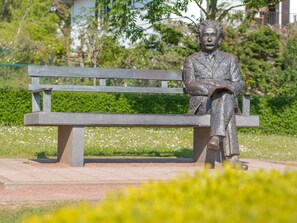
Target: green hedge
x,y
119,103
229,196
278,115
14,103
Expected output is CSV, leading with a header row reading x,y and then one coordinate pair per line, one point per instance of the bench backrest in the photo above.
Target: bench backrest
x,y
102,74
100,77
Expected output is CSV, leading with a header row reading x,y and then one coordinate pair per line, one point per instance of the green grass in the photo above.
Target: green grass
x,y
16,212
268,147
41,142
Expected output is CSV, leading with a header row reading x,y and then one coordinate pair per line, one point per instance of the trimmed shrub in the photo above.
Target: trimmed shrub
x,y
14,103
90,102
119,103
229,196
278,115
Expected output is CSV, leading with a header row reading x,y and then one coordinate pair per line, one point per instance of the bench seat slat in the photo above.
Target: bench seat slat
x,y
113,89
80,72
128,120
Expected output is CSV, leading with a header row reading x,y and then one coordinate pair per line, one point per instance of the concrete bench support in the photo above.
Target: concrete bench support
x,y
201,154
71,145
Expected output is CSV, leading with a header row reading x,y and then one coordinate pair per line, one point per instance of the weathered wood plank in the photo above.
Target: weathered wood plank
x,y
128,120
114,89
80,72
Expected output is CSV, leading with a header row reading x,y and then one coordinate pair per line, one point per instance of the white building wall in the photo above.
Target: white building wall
x,y
79,9
195,12
78,5
293,11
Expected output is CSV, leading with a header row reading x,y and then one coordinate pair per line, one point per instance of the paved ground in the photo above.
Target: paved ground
x,y
44,180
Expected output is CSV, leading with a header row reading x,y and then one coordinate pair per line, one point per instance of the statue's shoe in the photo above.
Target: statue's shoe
x,y
214,143
236,163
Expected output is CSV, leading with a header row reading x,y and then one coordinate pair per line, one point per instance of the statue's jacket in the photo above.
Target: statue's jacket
x,y
201,76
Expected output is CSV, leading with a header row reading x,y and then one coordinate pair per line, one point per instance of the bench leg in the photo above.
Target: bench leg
x,y
200,152
71,145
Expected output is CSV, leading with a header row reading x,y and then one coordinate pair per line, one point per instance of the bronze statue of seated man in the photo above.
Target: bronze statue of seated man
x,y
213,81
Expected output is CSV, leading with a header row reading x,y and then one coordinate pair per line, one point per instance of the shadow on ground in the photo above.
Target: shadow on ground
x,y
130,160
152,156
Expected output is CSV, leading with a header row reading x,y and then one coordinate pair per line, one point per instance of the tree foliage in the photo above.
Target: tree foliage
x,y
267,62
30,31
124,15
290,52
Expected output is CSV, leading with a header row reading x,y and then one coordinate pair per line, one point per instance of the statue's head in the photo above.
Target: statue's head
x,y
210,35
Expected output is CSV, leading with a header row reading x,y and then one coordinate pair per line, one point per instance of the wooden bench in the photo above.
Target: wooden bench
x,y
71,125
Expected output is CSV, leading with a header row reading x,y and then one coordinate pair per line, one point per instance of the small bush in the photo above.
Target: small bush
x,y
229,196
14,103
278,115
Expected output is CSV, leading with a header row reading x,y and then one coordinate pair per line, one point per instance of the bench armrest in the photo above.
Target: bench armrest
x,y
246,104
41,90
46,102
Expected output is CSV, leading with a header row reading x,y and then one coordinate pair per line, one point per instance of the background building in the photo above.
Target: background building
x,y
281,14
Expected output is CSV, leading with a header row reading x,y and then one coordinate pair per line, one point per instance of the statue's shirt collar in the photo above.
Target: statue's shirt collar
x,y
213,63
210,56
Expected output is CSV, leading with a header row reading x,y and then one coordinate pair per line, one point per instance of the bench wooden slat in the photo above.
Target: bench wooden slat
x,y
79,72
113,89
128,120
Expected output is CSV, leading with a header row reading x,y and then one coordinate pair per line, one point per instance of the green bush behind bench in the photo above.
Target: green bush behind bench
x,y
278,115
229,196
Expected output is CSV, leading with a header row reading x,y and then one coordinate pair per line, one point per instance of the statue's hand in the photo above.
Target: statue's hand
x,y
229,87
224,84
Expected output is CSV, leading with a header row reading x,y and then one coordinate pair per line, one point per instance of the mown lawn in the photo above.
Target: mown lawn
x,y
16,212
40,142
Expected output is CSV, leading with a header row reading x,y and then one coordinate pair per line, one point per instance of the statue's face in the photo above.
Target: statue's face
x,y
209,39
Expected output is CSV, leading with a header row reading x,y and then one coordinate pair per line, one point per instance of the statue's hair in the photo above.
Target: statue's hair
x,y
211,23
